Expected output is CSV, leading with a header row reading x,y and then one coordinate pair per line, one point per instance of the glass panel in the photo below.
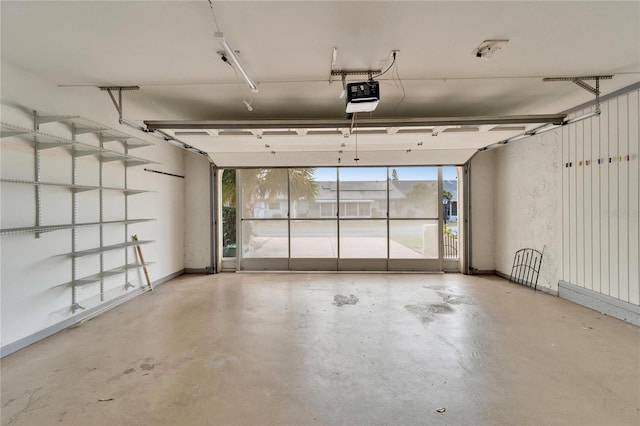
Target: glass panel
x,y
363,192
313,192
264,193
450,198
264,238
413,239
413,192
229,213
450,244
450,212
314,238
363,239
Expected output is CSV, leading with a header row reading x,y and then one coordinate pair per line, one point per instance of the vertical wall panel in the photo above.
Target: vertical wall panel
x,y
595,203
566,243
573,264
623,198
578,166
604,198
601,200
588,226
634,196
612,212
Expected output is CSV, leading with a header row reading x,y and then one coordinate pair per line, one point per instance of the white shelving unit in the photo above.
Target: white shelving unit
x,y
43,141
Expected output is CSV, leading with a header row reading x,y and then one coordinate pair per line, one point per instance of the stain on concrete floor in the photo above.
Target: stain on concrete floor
x,y
220,360
454,299
426,312
340,300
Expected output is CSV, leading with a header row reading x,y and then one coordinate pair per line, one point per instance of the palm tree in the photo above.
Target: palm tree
x,y
446,195
229,187
303,184
268,184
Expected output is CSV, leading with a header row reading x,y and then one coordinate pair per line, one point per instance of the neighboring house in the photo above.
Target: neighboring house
x,y
364,199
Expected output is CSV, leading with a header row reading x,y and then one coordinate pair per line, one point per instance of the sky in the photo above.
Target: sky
x,y
380,173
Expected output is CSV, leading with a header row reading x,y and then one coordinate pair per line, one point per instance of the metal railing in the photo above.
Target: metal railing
x,y
450,246
526,267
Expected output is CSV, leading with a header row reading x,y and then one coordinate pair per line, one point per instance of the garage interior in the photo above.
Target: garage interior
x,y
327,199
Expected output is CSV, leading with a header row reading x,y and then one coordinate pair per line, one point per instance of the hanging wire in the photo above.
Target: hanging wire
x,y
355,130
404,93
388,68
215,21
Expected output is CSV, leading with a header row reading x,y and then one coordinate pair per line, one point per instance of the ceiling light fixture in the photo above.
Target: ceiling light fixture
x,y
232,55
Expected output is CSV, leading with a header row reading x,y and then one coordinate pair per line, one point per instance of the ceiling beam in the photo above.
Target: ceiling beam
x,y
346,123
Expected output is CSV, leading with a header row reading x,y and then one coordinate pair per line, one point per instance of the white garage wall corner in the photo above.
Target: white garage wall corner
x,y
198,210
166,205
528,204
483,212
34,304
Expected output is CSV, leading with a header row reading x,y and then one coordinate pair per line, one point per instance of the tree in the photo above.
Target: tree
x,y
268,184
422,191
446,195
303,184
229,187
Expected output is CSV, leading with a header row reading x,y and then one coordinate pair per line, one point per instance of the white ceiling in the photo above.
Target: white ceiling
x,y
169,50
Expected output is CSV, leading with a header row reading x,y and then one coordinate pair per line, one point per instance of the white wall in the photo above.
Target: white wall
x,y
483,212
198,209
528,203
600,201
32,268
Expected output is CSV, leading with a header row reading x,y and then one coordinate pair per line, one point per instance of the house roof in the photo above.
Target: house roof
x,y
376,190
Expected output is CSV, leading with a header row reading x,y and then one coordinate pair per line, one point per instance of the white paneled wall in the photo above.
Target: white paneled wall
x,y
600,193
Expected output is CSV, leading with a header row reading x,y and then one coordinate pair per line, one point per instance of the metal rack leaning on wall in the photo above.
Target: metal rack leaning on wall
x,y
45,141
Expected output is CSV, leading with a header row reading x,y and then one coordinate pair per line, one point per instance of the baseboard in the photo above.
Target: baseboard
x,y
80,317
341,272
538,288
482,272
199,271
604,304
168,278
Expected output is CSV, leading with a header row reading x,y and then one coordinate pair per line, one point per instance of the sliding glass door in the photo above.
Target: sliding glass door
x,y
348,218
314,219
414,222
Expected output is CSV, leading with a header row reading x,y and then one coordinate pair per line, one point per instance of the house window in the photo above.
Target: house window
x,y
327,210
364,210
349,209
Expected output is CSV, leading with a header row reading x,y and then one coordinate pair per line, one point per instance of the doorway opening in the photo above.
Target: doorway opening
x,y
341,219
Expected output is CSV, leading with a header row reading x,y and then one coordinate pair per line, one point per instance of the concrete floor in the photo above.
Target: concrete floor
x,y
248,349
